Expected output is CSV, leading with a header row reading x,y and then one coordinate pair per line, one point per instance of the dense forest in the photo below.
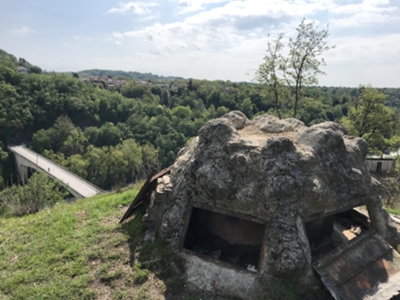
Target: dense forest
x,y
112,136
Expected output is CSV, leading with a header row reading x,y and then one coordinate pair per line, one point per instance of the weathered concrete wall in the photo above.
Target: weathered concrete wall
x,y
217,279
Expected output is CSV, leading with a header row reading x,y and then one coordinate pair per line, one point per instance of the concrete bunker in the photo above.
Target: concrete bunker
x,y
294,187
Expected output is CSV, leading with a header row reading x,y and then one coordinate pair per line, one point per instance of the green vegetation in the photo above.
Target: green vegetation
x,y
79,251
114,135
370,119
39,192
124,74
395,211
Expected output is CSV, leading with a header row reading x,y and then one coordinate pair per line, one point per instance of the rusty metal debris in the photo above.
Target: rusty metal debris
x,y
144,192
359,270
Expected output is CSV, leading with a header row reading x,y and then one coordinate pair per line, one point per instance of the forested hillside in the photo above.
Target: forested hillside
x,y
112,136
124,74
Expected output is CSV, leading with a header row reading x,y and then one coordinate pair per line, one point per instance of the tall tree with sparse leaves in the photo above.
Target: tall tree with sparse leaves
x,y
299,68
303,62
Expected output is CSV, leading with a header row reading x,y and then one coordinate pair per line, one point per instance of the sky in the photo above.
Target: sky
x,y
202,39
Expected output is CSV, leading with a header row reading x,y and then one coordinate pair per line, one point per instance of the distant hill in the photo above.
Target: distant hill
x,y
4,56
7,57
135,75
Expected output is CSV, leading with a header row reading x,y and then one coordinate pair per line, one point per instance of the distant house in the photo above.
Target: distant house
x,y
228,90
22,70
142,82
381,164
162,85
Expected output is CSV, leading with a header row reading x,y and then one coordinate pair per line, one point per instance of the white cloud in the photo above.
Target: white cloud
x,y
376,2
223,28
188,6
276,9
77,37
118,35
229,40
138,8
361,19
384,48
24,30
366,12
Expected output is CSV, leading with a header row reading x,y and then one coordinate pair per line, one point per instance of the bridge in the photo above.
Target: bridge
x,y
77,186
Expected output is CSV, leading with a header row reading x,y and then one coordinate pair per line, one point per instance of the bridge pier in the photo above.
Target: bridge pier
x,y
22,167
23,173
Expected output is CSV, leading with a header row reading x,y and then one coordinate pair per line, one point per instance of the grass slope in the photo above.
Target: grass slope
x,y
79,251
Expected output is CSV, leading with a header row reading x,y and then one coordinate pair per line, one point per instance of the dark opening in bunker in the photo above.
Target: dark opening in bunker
x,y
226,238
327,233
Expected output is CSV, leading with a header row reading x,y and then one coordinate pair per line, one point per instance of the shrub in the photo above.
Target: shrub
x,y
39,192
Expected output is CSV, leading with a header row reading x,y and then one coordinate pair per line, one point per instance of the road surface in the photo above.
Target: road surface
x,y
74,182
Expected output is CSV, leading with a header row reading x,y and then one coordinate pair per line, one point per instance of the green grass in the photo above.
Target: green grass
x,y
79,251
395,211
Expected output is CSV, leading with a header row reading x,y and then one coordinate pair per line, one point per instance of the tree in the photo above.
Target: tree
x,y
109,134
131,90
303,63
299,68
75,143
35,70
132,154
181,112
370,119
222,110
41,141
156,90
59,133
268,72
247,107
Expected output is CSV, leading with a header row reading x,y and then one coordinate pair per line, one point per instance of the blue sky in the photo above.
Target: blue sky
x,y
204,39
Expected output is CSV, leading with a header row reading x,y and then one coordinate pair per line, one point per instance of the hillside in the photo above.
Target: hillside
x,y
131,75
79,251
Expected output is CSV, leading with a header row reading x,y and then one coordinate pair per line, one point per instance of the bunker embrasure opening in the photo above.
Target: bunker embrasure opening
x,y
224,237
327,233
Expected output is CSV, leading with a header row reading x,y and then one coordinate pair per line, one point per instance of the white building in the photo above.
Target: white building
x,y
381,164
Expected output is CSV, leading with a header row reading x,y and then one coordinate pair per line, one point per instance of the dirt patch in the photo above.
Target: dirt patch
x,y
83,216
103,291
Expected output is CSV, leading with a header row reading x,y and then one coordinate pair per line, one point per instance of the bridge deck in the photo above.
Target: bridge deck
x,y
74,182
